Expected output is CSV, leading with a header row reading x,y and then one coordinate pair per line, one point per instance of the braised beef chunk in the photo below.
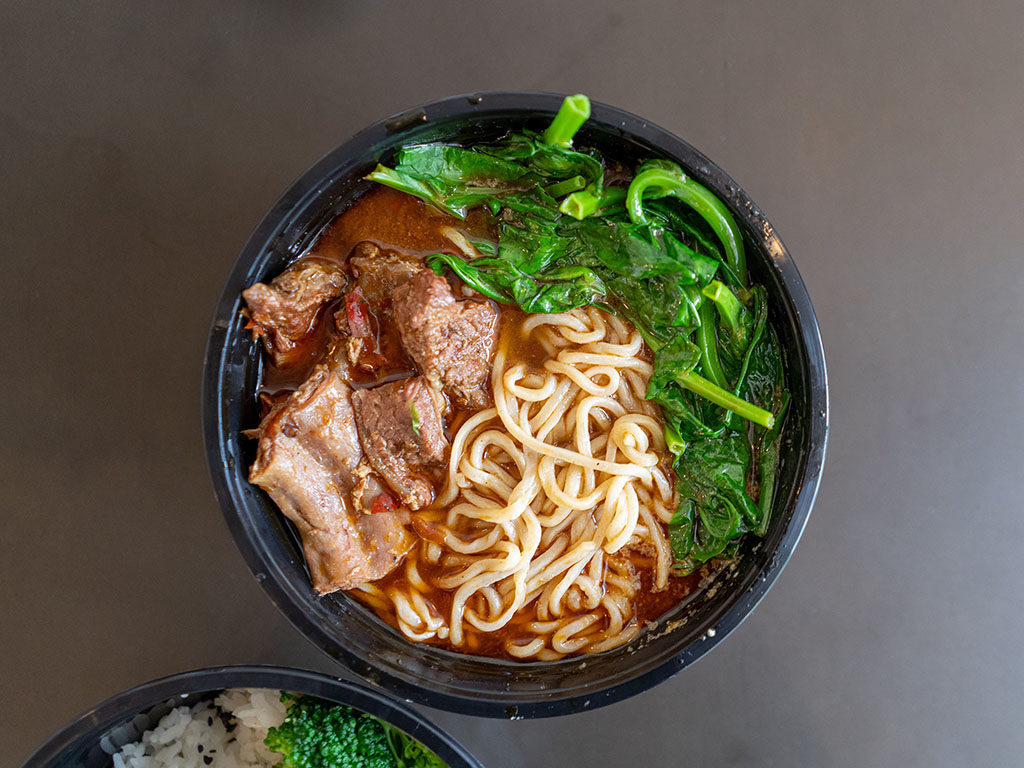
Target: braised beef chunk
x,y
307,458
283,311
401,432
378,273
367,339
356,331
452,342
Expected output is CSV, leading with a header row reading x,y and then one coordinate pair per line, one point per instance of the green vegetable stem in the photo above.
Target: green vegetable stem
x,y
581,204
585,203
708,344
659,181
561,188
730,309
573,113
729,401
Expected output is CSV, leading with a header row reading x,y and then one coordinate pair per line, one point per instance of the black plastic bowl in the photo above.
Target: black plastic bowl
x,y
121,719
350,633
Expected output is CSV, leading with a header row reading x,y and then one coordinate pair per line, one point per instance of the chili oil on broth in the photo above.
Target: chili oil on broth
x,y
549,537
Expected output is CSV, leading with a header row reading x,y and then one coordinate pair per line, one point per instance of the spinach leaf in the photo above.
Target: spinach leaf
x,y
680,537
490,276
547,160
453,199
663,178
693,231
762,381
660,307
712,475
455,165
768,467
532,244
558,290
736,328
677,355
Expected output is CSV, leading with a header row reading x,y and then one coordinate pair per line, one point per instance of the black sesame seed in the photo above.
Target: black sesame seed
x,y
209,721
200,748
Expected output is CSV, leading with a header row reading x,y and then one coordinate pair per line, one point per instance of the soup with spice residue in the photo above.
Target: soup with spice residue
x,y
514,409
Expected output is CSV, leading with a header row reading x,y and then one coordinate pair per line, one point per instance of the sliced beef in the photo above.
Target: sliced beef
x,y
402,434
284,311
452,342
307,460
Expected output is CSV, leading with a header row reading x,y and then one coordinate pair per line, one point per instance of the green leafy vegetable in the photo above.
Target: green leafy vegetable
x,y
661,178
455,199
663,252
547,161
707,340
318,734
734,315
455,165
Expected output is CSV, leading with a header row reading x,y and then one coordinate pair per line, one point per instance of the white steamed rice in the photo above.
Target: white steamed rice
x,y
196,736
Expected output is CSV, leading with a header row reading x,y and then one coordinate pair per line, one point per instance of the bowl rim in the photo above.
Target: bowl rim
x,y
94,722
308,185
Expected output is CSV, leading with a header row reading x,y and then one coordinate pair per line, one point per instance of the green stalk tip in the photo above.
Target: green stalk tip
x,y
564,187
571,115
580,204
729,307
673,441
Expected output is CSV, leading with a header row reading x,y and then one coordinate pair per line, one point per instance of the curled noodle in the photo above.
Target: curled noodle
x,y
546,495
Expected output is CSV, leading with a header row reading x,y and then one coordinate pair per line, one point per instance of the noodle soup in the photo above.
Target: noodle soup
x,y
519,415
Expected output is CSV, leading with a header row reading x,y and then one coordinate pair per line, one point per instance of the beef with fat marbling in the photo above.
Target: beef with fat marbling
x,y
307,460
452,342
284,311
378,272
402,435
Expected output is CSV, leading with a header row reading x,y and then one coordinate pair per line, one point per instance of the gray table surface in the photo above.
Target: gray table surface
x,y
141,142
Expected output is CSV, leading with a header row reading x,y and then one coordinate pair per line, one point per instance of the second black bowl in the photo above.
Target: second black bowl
x,y
350,633
90,739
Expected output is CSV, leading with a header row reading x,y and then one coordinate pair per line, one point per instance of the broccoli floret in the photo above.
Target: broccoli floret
x,y
316,734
